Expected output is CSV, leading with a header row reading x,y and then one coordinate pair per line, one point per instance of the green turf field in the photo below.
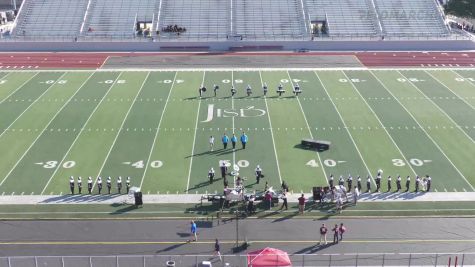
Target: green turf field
x,y
152,127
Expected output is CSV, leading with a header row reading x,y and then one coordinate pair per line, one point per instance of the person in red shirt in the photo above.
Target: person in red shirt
x,y
302,204
342,230
268,199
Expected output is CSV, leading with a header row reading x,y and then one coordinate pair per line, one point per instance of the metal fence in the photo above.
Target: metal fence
x,y
307,260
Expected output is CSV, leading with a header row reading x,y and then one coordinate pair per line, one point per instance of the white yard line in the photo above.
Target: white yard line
x,y
120,130
381,123
465,79
79,134
420,126
194,136
38,137
437,106
271,133
31,104
450,90
232,107
346,127
19,87
147,163
308,126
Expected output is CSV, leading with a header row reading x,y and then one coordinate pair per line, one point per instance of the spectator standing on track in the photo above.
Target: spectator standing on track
x,y
429,181
368,184
244,140
211,143
356,194
119,184
398,183
389,183
234,141
284,199
109,185
358,183
302,204
211,175
71,184
323,234
336,233
99,184
225,140
89,184
408,183
194,230
79,184
217,250
342,230
268,199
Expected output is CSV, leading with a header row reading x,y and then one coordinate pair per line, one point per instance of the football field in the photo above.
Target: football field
x,y
153,127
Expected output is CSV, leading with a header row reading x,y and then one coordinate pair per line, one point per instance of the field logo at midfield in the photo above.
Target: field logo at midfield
x,y
229,113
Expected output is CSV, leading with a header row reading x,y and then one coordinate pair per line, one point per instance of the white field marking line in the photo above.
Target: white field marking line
x,y
119,130
241,69
19,87
465,79
381,123
232,107
158,130
31,104
104,62
79,134
420,126
308,126
39,135
194,137
440,109
346,127
271,132
450,90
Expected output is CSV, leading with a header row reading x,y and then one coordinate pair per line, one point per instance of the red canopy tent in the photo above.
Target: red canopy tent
x,y
268,257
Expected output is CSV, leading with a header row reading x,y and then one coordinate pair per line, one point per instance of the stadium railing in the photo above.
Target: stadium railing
x,y
298,260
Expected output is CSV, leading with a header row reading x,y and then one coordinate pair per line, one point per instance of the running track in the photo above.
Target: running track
x,y
368,59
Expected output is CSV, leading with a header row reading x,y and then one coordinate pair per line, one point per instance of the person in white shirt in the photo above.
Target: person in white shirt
x,y
211,143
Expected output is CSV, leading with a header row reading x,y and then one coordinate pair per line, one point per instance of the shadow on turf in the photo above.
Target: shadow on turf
x,y
83,198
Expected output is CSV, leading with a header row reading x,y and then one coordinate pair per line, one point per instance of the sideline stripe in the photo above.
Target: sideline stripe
x,y
127,243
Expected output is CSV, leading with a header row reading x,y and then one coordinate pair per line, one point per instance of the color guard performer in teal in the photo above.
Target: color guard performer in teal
x,y
244,140
234,141
225,140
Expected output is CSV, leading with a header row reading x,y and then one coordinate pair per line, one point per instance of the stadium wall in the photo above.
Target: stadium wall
x,y
430,45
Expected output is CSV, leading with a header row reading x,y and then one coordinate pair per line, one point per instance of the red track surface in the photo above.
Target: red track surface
x,y
368,59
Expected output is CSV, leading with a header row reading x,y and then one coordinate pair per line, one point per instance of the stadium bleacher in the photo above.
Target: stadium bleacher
x,y
206,19
269,19
411,18
51,17
231,19
345,17
117,18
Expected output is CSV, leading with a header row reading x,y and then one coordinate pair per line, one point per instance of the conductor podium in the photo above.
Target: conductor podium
x,y
319,145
